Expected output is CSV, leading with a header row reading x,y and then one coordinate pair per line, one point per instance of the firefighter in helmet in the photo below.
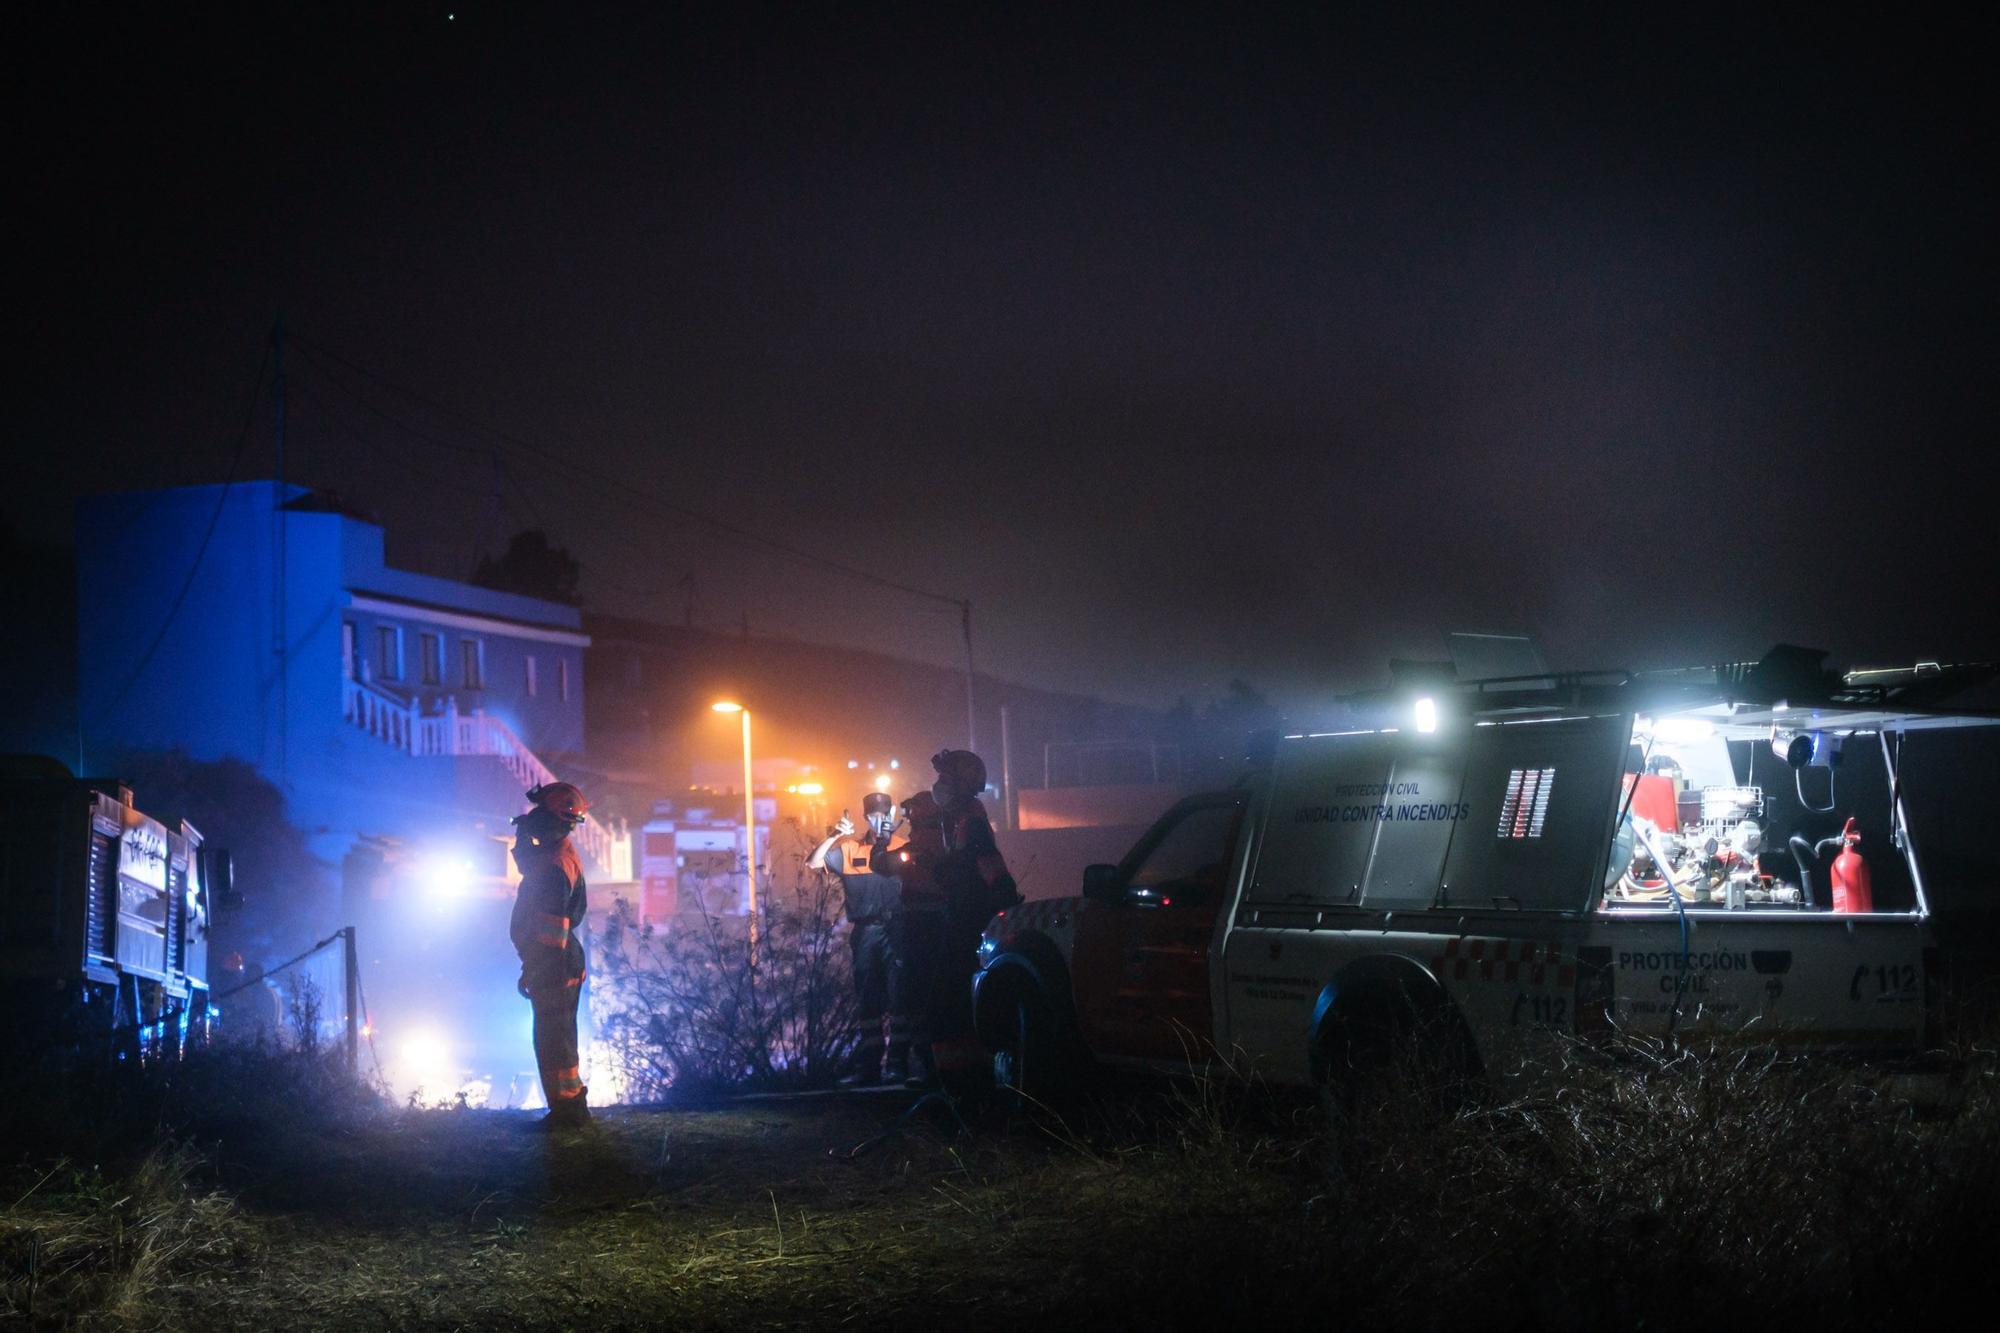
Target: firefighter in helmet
x,y
873,904
953,867
548,912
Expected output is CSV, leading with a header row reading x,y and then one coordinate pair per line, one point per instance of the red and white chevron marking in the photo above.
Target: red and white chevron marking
x,y
1507,961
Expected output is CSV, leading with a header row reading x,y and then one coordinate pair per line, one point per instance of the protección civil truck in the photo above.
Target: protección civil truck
x,y
1480,871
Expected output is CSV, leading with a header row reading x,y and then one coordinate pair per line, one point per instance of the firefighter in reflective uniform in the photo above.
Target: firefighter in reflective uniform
x,y
873,904
548,912
953,868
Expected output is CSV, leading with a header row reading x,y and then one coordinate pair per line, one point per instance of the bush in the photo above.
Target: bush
x,y
1615,1191
694,1010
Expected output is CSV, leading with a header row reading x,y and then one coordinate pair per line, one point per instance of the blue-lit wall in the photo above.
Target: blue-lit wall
x,y
209,678
550,719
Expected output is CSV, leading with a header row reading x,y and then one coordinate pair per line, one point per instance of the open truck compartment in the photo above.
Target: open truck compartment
x,y
1769,809
1689,792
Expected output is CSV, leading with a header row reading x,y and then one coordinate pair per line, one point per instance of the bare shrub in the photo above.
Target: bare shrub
x,y
303,1003
1704,1173
693,1009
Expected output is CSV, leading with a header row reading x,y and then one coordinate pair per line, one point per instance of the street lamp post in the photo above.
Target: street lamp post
x,y
749,815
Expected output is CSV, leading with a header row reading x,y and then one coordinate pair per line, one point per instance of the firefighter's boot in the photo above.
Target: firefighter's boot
x,y
867,1071
922,1069
570,1113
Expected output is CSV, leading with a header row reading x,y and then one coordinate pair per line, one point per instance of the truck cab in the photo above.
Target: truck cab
x,y
1516,863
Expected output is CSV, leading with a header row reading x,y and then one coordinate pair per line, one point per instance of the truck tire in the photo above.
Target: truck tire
x,y
1396,1060
1033,1065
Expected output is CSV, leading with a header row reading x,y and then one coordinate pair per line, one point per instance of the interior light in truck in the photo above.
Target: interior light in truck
x,y
1683,730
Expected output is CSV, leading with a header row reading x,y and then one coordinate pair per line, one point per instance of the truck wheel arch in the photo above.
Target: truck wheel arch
x,y
1030,959
1384,997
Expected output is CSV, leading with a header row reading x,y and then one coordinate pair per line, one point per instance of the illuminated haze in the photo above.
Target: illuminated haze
x,y
1185,350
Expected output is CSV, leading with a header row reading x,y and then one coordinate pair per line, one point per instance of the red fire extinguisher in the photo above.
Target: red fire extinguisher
x,y
1851,890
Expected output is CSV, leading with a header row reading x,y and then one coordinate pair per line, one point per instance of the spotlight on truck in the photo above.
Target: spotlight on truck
x,y
1427,714
1794,747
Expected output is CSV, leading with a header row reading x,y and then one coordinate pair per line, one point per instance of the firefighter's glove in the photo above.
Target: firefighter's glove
x,y
845,828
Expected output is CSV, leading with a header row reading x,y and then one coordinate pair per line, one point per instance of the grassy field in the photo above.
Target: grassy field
x,y
755,1214
247,1191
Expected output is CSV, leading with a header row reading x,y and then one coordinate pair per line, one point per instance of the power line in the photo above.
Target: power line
x,y
355,435
506,489
520,502
520,489
621,486
618,486
235,461
591,487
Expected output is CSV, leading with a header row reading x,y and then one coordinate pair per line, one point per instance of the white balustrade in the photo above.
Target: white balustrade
x,y
449,733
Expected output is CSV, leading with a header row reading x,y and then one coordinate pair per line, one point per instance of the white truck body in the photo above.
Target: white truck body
x,y
1499,870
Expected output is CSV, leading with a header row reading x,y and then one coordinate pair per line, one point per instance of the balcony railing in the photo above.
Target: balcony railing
x,y
450,733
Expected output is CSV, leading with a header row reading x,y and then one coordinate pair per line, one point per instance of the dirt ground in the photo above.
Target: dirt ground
x,y
684,1218
267,1192
815,1211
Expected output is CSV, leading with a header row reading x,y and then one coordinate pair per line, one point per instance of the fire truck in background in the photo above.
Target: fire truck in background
x,y
104,910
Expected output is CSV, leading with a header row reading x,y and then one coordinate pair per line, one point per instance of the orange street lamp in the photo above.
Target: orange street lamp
x,y
749,812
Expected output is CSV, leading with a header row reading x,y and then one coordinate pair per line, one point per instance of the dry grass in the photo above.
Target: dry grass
x,y
1630,1192
1708,1177
76,1242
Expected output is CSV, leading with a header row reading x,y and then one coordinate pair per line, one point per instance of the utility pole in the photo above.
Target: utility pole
x,y
971,723
499,503
750,837
352,966
278,636
1006,773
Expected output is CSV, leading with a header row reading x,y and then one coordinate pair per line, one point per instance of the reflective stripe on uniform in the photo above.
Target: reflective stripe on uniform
x,y
562,1084
551,930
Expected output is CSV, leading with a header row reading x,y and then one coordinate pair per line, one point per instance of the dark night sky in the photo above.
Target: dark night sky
x,y
1188,348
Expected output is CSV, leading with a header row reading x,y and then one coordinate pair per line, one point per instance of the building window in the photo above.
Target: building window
x,y
530,660
388,652
471,666
562,678
349,666
430,658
